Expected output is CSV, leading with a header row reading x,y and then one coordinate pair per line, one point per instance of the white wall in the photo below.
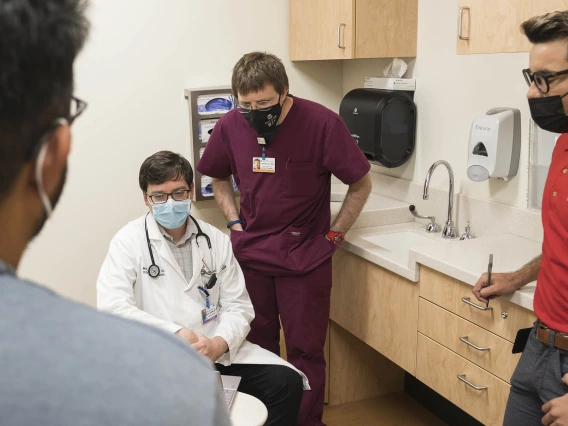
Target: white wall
x,y
140,57
451,91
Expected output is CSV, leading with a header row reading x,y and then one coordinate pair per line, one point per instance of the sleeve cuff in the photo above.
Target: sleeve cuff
x,y
233,344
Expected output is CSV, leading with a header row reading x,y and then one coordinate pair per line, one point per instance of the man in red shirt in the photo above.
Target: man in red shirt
x,y
540,377
282,151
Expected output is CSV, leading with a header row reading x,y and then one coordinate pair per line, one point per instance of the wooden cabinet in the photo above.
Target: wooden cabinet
x,y
358,372
483,348
377,306
493,26
459,336
347,29
504,318
438,368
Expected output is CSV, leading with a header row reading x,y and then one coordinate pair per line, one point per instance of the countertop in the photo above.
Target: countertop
x,y
462,260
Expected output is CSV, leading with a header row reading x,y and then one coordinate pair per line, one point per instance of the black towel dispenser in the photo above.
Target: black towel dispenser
x,y
383,123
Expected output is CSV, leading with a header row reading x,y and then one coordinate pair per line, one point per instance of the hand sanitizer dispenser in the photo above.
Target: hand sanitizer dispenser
x,y
495,145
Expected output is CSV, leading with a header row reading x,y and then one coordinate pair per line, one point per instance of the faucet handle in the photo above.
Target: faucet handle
x,y
467,235
432,226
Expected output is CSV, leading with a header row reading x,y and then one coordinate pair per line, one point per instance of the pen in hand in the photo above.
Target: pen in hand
x,y
489,268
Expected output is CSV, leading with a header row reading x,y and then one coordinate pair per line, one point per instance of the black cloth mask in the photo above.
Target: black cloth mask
x,y
548,113
264,122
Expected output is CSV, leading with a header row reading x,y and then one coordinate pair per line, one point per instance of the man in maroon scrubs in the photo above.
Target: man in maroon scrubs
x,y
282,151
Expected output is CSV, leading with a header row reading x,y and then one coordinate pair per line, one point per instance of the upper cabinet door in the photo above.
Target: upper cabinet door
x,y
386,28
322,29
540,7
491,26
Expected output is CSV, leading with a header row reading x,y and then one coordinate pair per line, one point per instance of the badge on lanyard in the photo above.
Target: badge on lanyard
x,y
210,312
263,165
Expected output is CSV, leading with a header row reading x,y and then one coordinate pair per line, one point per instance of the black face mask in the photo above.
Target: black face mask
x,y
264,122
548,113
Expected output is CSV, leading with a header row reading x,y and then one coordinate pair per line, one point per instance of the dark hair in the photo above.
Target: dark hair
x,y
257,69
550,27
162,167
39,40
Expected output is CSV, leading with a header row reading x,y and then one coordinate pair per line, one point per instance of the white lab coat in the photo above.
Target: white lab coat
x,y
169,302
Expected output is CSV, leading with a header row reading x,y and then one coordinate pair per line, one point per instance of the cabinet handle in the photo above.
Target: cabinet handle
x,y
460,24
467,342
481,308
462,378
339,36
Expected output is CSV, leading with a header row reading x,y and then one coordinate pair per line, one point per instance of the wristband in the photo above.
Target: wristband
x,y
234,222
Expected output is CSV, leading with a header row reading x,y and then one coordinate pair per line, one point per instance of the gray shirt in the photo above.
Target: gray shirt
x,y
62,363
182,250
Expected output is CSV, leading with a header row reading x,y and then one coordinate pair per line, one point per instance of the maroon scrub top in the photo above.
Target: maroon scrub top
x,y
285,214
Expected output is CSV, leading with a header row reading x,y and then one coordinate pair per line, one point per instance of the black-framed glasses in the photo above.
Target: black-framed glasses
x,y
76,108
246,107
541,79
161,198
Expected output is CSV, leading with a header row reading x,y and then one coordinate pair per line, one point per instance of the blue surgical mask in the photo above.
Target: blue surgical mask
x,y
172,214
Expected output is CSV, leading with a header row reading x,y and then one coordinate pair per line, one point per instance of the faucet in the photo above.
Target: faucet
x,y
449,230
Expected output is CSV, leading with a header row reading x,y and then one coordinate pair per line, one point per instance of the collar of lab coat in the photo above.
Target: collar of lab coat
x,y
165,253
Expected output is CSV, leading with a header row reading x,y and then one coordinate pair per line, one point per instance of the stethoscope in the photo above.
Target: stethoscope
x,y
154,270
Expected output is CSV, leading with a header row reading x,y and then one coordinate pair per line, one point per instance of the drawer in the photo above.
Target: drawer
x,y
438,368
503,318
446,328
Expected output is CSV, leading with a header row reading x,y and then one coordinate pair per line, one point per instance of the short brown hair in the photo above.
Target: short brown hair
x,y
550,27
257,69
162,167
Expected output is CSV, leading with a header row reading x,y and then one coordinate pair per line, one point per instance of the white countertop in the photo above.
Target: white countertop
x,y
462,260
467,260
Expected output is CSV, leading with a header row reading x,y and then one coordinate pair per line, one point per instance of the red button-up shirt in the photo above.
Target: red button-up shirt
x,y
551,297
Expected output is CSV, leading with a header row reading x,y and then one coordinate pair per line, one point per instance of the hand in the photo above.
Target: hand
x,y
187,336
210,348
500,284
236,227
556,410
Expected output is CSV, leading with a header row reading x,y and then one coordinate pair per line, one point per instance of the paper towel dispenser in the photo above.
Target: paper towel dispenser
x,y
383,123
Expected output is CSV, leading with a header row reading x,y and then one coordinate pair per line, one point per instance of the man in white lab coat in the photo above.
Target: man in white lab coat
x,y
179,274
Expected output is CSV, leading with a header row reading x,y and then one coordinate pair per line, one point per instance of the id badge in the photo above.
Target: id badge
x,y
209,313
268,165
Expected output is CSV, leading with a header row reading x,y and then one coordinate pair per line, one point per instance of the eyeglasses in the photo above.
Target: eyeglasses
x,y
76,108
246,107
541,79
179,195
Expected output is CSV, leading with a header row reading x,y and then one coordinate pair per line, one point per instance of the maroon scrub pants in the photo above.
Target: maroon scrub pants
x,y
302,302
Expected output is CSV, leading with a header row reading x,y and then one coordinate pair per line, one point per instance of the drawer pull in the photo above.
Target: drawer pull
x,y
339,36
460,24
462,378
467,342
467,301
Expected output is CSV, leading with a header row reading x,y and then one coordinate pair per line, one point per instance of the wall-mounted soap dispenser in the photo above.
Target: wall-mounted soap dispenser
x,y
494,145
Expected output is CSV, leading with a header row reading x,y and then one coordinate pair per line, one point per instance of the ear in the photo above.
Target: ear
x,y
57,149
191,190
146,200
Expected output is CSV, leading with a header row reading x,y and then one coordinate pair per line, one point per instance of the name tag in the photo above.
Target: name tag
x,y
209,313
268,165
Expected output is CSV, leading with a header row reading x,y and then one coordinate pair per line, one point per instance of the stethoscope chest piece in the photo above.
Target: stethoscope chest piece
x,y
154,271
